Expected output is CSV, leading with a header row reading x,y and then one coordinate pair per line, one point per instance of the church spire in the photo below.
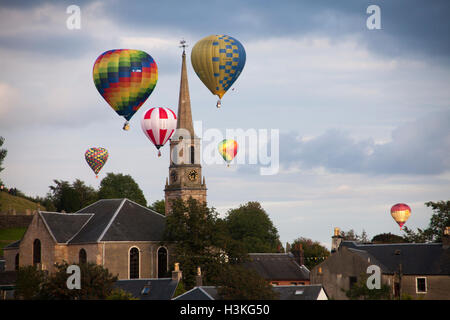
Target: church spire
x,y
184,118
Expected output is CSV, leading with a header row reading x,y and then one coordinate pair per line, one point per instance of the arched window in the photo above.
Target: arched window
x,y
134,263
36,251
192,155
16,266
162,262
82,257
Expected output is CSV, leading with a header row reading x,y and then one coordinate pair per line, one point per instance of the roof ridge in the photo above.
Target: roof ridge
x,y
153,211
112,220
47,226
84,224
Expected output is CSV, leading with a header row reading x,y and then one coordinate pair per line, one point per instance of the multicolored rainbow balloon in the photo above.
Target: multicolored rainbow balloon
x,y
125,78
218,61
228,149
96,159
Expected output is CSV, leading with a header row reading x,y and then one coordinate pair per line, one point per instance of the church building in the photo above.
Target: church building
x,y
119,234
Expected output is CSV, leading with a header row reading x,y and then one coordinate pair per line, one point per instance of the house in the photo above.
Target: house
x,y
278,268
289,292
418,270
118,234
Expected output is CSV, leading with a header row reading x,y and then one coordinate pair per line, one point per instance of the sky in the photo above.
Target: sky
x,y
362,116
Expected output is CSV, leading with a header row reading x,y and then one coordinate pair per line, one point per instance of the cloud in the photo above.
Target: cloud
x,y
418,147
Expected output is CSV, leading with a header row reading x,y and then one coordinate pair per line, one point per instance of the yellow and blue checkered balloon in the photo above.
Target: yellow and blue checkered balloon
x,y
218,61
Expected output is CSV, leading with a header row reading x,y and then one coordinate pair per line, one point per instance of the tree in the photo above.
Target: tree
x,y
28,283
238,283
251,226
71,197
439,220
96,283
313,252
360,291
3,153
115,186
388,238
198,239
351,235
159,206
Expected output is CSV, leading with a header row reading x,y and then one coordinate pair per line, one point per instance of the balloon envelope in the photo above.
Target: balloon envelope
x,y
400,212
218,61
158,125
228,149
96,158
125,78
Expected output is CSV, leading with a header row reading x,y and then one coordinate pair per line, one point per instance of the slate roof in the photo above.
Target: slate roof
x,y
277,266
63,225
416,258
106,220
307,292
160,289
200,293
12,245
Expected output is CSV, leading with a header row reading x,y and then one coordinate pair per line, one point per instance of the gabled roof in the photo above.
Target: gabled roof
x,y
307,292
62,226
106,220
200,293
415,258
277,266
158,289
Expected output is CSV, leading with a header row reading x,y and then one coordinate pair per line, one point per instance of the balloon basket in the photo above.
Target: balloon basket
x,y
218,104
96,177
159,153
126,126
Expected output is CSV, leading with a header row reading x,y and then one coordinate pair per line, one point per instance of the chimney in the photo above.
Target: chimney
x,y
177,274
336,240
446,238
198,278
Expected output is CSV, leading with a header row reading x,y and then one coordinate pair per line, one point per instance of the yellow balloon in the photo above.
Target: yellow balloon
x,y
218,61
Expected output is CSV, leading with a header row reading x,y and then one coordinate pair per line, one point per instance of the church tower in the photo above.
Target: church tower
x,y
185,171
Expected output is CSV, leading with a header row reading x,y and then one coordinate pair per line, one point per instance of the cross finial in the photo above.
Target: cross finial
x,y
183,44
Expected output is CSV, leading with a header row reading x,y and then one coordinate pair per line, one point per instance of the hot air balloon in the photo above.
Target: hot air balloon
x,y
125,78
218,61
158,125
400,212
96,159
228,149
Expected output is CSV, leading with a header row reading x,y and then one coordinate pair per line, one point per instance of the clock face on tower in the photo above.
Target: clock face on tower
x,y
192,175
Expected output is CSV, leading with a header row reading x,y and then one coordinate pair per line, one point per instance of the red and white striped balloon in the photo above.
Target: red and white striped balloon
x,y
158,125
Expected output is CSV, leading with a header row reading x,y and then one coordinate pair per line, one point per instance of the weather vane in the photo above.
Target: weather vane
x,y
183,44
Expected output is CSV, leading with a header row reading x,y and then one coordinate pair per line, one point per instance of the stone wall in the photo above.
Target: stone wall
x,y
15,221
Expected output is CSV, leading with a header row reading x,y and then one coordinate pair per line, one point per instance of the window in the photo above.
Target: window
x,y
134,263
36,252
421,285
192,155
16,267
162,262
82,257
352,281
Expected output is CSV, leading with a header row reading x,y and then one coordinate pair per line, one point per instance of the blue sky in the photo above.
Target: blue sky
x,y
363,115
